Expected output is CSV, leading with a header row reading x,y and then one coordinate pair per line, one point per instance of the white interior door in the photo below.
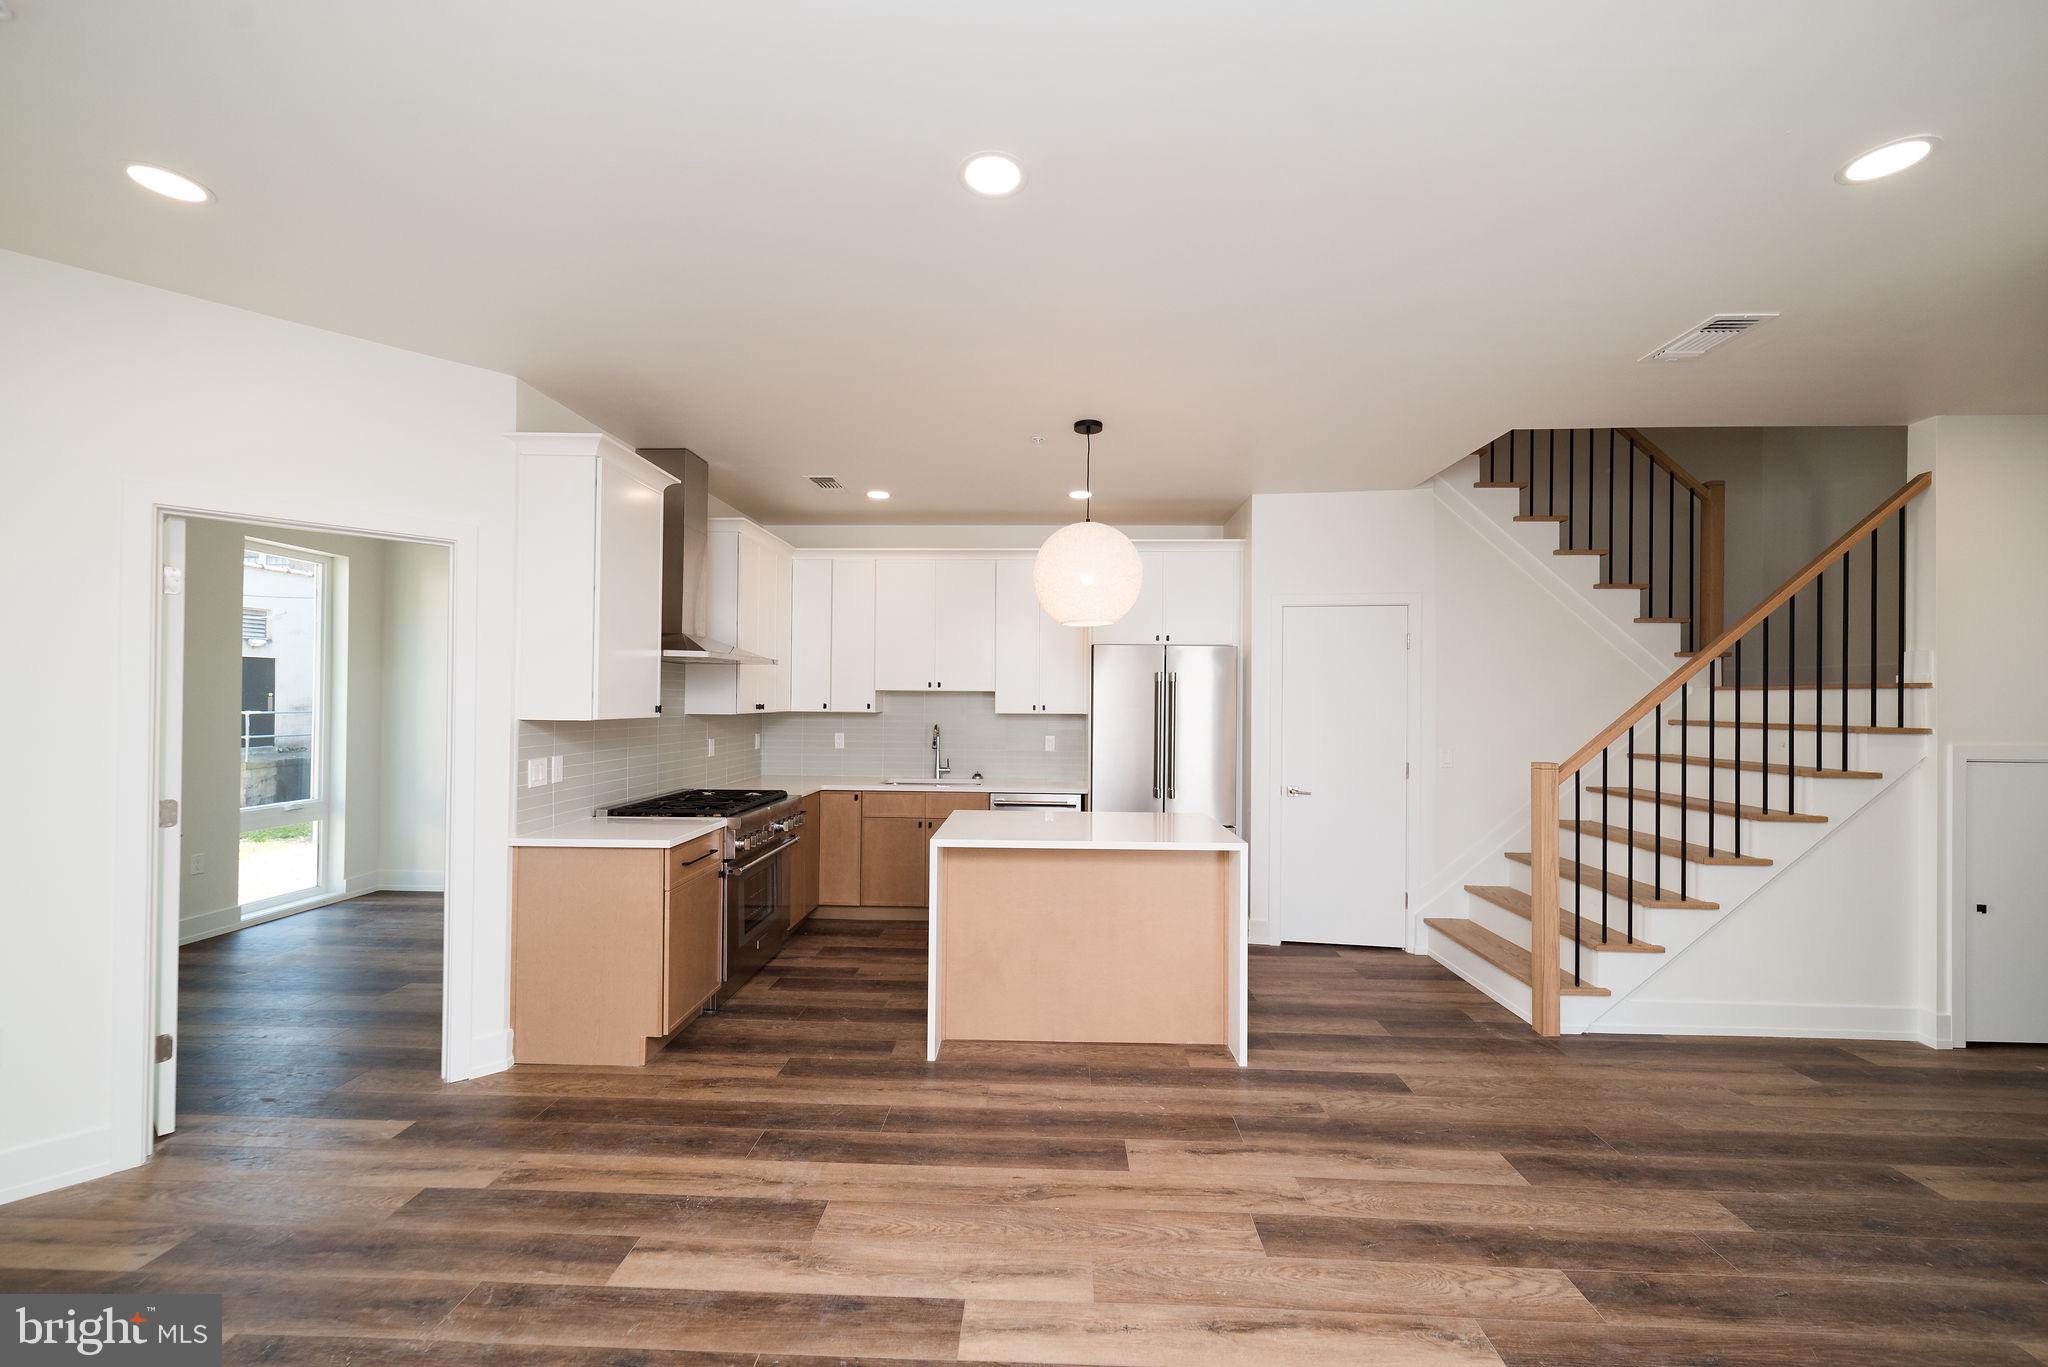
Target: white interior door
x,y
170,785
2005,901
1343,802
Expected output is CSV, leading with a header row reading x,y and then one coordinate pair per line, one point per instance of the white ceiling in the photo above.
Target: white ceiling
x,y
1273,246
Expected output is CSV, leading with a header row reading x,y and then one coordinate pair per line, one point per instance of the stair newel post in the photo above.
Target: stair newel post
x,y
1713,564
1544,838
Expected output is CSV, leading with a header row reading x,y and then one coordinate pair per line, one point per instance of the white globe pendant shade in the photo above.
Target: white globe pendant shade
x,y
1087,574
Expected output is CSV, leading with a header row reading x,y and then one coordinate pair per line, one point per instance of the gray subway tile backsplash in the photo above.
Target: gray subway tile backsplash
x,y
607,762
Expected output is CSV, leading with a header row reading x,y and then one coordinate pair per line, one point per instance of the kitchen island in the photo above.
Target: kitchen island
x,y
1087,927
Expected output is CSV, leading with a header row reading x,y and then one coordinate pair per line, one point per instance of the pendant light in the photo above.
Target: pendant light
x,y
1087,574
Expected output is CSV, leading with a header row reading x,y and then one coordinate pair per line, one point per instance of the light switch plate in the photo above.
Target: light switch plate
x,y
554,768
536,773
199,863
1048,745
838,740
757,740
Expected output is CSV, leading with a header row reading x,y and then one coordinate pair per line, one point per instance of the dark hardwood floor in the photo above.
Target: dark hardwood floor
x,y
1405,1175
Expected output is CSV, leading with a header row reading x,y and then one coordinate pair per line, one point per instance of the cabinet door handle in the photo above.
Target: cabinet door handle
x,y
700,858
1299,792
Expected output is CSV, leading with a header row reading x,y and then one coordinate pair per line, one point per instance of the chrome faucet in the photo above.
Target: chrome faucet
x,y
940,768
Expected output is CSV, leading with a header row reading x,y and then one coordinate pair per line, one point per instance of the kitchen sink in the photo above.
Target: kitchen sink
x,y
938,786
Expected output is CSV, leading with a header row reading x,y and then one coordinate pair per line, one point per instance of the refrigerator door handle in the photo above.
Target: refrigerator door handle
x,y
1172,728
1158,724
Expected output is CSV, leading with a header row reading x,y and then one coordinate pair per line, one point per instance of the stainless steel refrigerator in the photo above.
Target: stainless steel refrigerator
x,y
1163,730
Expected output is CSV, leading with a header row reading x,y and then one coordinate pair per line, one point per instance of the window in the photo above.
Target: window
x,y
286,637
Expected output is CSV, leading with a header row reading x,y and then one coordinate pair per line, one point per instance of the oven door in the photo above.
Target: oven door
x,y
756,915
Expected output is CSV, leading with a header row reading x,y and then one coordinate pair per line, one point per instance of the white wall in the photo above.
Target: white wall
x,y
961,536
413,766
1980,558
113,398
1509,673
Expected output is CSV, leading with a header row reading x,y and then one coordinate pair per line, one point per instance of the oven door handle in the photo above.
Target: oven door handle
x,y
735,870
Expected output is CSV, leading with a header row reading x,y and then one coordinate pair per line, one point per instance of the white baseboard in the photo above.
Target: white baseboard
x,y
212,923
410,880
47,1164
1791,1020
1260,932
489,1053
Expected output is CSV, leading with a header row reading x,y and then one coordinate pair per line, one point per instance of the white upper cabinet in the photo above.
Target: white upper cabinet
x,y
1193,595
1041,666
832,636
906,625
811,638
853,636
964,660
935,625
1204,594
748,603
587,579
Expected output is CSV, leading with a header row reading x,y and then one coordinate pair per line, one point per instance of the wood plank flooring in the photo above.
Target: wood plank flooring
x,y
1405,1175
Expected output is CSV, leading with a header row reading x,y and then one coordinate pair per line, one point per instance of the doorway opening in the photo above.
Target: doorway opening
x,y
304,678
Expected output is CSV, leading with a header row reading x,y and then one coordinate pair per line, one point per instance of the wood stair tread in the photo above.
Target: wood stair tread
x,y
1580,550
1662,621
1505,955
1619,885
1621,586
1705,804
1804,727
1501,484
1755,767
1677,849
1541,517
1518,902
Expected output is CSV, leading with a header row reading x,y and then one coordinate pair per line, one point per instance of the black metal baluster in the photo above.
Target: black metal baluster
x,y
1631,511
1571,491
1578,876
1607,574
1843,721
1550,477
1685,778
1692,573
1714,715
1902,621
1765,770
1791,697
1630,808
1670,544
1492,473
1657,816
1606,785
1763,751
1820,659
1873,627
1650,498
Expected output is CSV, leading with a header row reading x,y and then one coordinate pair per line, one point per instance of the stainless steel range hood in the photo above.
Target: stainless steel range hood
x,y
685,537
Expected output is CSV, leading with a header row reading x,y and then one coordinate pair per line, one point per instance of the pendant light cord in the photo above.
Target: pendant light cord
x,y
1088,478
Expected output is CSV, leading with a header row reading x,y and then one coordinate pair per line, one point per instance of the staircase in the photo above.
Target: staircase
x,y
1766,737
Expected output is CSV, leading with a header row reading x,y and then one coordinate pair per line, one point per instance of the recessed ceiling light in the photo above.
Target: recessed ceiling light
x,y
169,184
994,174
878,494
1890,159
1078,493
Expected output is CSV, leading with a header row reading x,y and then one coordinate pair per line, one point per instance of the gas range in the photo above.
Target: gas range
x,y
761,824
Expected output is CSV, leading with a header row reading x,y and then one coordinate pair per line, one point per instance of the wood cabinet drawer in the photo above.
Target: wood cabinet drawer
x,y
694,857
943,805
892,803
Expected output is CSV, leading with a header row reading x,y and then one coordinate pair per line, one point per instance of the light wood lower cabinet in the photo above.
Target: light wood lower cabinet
x,y
839,850
804,866
878,850
612,950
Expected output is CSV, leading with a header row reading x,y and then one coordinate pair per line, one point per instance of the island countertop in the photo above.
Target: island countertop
x,y
1055,830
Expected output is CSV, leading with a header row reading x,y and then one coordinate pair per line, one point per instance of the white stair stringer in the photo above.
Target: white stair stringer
x,y
1568,578
1675,929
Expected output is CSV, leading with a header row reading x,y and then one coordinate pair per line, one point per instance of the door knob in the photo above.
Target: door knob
x,y
1299,792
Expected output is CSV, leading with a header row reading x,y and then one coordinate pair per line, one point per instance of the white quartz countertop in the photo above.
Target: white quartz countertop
x,y
639,834
1084,830
804,786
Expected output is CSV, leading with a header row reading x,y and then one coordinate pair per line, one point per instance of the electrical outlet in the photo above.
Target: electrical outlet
x,y
838,740
199,863
536,773
711,745
1048,745
554,768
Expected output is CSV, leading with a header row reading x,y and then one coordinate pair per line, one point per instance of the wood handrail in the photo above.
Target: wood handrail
x,y
1663,458
1685,673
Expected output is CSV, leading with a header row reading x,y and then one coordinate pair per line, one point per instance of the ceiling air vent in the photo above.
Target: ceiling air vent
x,y
1722,327
826,482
